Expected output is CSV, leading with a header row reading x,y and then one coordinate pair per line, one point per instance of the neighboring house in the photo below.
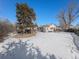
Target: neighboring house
x,y
74,27
58,28
77,26
47,28
35,28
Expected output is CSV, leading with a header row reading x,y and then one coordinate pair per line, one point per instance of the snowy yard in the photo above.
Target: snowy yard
x,y
58,44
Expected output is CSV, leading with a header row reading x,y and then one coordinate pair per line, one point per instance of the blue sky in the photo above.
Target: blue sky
x,y
46,10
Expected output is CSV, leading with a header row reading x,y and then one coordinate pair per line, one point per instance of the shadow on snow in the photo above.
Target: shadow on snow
x,y
22,50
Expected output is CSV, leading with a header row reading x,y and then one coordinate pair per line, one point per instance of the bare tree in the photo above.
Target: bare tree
x,y
66,17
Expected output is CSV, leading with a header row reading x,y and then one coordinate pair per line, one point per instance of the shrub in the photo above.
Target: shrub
x,y
4,29
77,32
70,30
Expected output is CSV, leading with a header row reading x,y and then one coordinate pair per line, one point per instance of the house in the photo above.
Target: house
x,y
77,26
58,29
48,28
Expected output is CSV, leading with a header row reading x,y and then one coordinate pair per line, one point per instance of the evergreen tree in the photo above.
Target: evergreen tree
x,y
25,17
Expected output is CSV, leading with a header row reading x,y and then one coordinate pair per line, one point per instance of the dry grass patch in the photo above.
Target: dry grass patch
x,y
24,35
2,35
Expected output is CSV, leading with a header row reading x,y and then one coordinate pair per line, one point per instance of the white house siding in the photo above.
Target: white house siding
x,y
50,28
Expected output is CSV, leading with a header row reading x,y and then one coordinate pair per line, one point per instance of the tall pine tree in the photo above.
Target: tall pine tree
x,y
25,17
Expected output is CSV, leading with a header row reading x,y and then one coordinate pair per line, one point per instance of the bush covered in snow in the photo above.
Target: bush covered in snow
x,y
76,31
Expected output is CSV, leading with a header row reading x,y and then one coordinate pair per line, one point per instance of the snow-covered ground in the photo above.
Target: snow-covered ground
x,y
59,44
